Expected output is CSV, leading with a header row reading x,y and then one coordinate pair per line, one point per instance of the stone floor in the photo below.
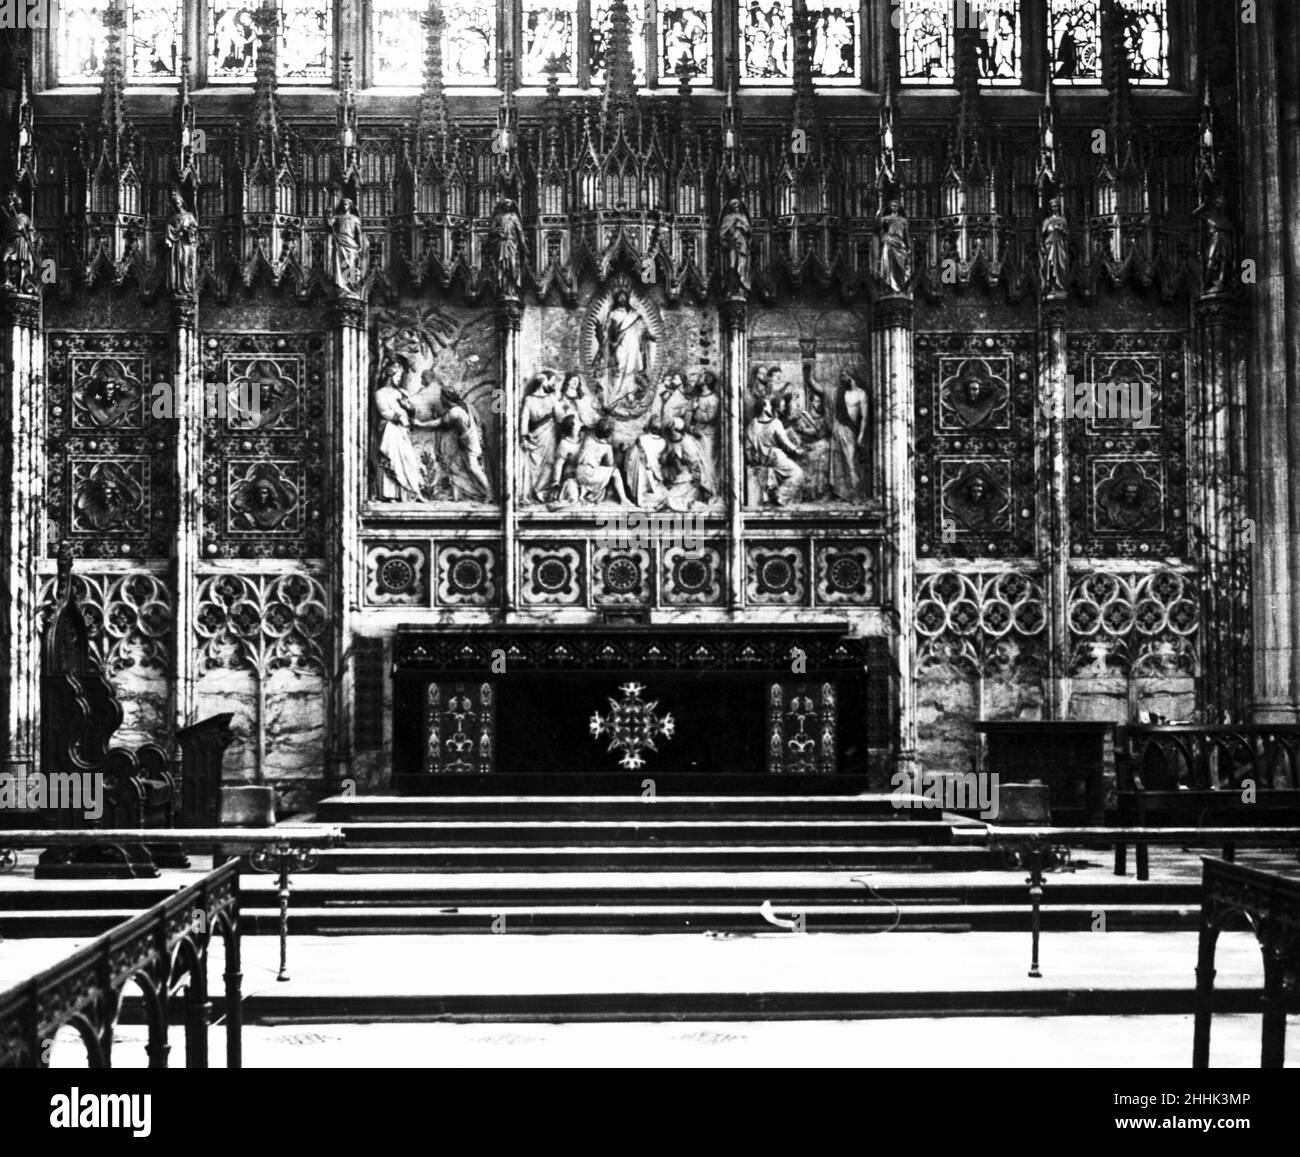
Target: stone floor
x,y
1160,1042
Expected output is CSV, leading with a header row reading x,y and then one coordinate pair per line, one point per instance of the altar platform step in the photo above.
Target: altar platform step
x,y
630,805
647,856
650,902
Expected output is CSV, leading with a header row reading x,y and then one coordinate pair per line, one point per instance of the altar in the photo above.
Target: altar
x,y
639,709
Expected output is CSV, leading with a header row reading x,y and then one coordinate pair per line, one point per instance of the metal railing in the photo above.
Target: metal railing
x,y
161,949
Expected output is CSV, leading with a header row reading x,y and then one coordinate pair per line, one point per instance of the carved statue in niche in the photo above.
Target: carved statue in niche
x,y
1055,262
619,334
347,247
507,246
1128,500
1218,255
895,266
976,499
183,247
434,433
734,235
18,247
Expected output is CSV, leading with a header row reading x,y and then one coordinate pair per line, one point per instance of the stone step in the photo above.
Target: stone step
x,y
381,808
732,919
668,857
643,830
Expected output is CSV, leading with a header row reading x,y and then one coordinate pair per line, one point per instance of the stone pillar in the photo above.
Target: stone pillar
x,y
350,356
1054,400
893,339
190,402
1219,509
22,533
1266,242
735,320
510,315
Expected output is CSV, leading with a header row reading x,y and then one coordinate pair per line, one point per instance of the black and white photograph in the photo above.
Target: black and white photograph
x,y
648,535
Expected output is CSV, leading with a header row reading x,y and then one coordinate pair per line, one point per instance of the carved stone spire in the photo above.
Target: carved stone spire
x,y
505,144
186,170
24,133
685,102
114,126
1119,82
266,102
966,126
349,139
432,124
552,112
803,112
1049,182
888,182
619,97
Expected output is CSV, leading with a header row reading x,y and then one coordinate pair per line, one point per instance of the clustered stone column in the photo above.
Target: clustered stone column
x,y
22,533
350,366
735,317
1054,396
509,318
190,402
1271,220
893,358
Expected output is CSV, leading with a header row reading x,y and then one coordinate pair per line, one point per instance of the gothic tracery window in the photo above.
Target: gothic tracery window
x,y
835,40
766,43
1144,31
601,26
304,41
685,32
548,32
925,42
151,41
1074,48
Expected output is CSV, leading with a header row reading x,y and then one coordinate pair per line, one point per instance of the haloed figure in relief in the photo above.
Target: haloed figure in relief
x,y
625,343
400,477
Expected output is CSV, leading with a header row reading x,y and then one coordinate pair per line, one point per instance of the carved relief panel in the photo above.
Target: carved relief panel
x,y
109,453
1127,445
264,445
620,405
975,445
435,407
809,411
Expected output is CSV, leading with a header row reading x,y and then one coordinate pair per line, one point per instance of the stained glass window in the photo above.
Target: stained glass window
x,y
152,47
998,44
304,42
397,39
1144,28
601,27
469,42
766,46
685,31
925,41
232,43
834,39
305,52
549,31
81,40
1074,28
